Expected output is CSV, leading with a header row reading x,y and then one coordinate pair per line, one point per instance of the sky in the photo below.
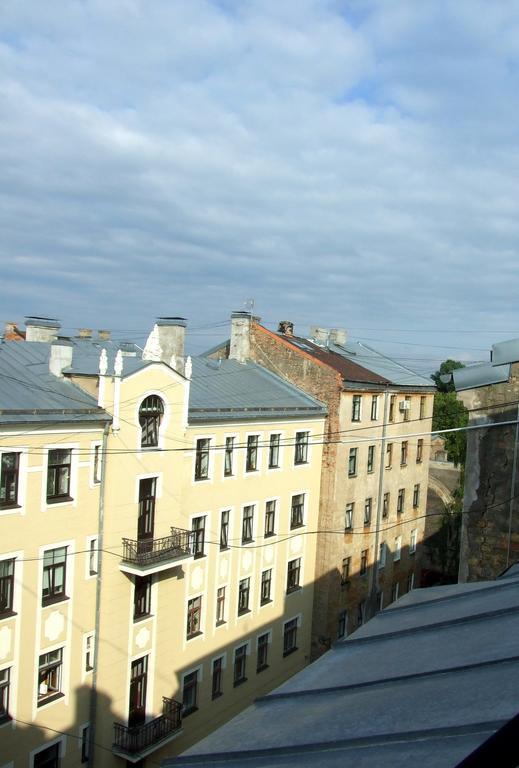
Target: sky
x,y
341,163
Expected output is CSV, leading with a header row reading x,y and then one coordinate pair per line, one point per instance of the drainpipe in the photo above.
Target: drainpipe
x,y
512,491
373,608
100,532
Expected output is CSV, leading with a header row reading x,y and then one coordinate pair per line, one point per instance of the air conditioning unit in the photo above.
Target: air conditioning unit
x,y
405,405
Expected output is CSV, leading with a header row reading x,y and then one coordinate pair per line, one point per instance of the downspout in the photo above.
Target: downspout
x,y
512,491
373,608
100,531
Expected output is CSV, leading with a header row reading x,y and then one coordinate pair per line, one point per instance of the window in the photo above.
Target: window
x,y
371,458
224,530
290,637
412,542
407,407
150,416
58,474
220,605
49,676
263,651
352,462
5,678
142,597
93,557
419,451
360,614
293,575
385,505
85,743
416,495
6,586
348,516
146,513
410,582
247,524
345,570
400,501
194,617
266,584
382,553
190,693
198,529
368,505
251,462
380,600
423,406
217,678
270,518
301,448
356,407
9,472
54,575
398,549
138,689
403,453
202,458
48,758
297,511
341,624
89,653
392,401
395,591
229,456
243,596
374,407
363,562
97,464
274,451
240,665
389,455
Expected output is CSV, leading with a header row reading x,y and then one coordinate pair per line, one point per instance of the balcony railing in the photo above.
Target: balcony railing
x,y
150,552
138,739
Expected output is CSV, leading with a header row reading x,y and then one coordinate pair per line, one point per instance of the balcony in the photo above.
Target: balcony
x,y
135,743
146,556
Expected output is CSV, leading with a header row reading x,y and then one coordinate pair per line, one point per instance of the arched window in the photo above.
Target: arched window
x,y
150,416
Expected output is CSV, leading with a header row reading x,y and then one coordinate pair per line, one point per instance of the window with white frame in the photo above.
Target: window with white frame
x,y
356,406
368,506
262,652
352,462
363,562
229,456
251,459
54,575
151,412
96,472
247,524
385,504
198,530
89,652
5,682
398,549
412,541
266,585
50,667
382,555
371,459
224,529
240,665
395,590
419,451
190,692
301,448
293,575
243,596
7,586
217,678
297,511
400,502
416,495
203,445
48,757
142,597
220,606
348,516
270,518
9,480
58,475
341,624
93,557
290,637
274,450
194,617
374,407
84,735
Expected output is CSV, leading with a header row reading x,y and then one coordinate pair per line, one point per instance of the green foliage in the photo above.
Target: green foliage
x,y
449,413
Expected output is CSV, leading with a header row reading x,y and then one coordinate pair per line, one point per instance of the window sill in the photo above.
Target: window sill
x,y
50,698
221,623
198,555
9,507
193,635
403,463
7,614
251,471
201,479
216,695
290,590
290,650
274,466
295,527
224,549
58,499
300,463
189,711
348,530
244,612
141,617
228,474
262,668
351,476
53,600
247,541
269,535
239,682
345,584
265,602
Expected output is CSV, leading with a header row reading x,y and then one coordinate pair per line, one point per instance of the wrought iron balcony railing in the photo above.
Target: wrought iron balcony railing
x,y
142,738
149,552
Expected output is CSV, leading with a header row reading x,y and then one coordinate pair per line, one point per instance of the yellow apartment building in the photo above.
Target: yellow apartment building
x,y
193,591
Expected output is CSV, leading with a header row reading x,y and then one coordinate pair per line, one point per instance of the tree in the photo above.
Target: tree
x,y
450,413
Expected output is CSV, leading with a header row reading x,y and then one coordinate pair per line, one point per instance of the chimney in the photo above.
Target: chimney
x,y
166,342
60,356
338,335
320,335
85,333
103,335
240,335
12,332
286,328
41,328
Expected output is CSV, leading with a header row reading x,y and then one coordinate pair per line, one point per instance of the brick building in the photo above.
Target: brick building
x,y
375,465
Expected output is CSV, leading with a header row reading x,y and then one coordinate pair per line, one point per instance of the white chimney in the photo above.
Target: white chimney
x,y
240,335
41,328
320,335
60,356
338,335
166,342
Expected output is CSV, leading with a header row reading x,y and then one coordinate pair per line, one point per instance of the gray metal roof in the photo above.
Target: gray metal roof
x,y
230,390
480,376
375,361
426,682
29,392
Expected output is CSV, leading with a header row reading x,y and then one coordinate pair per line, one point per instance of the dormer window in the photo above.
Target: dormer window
x,y
150,416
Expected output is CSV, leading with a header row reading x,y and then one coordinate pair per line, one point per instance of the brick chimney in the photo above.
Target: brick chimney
x,y
166,342
104,335
85,333
41,328
12,332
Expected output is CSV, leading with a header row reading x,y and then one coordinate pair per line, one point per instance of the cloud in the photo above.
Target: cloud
x,y
347,164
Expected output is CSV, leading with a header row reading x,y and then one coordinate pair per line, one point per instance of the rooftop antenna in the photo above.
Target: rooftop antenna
x,y
249,305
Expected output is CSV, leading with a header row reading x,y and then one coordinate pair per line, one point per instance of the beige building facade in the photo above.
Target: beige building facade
x,y
189,552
